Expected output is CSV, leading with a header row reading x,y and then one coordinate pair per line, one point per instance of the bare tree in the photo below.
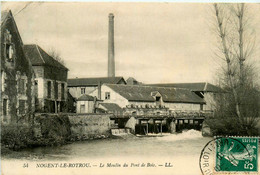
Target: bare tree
x,y
236,45
56,55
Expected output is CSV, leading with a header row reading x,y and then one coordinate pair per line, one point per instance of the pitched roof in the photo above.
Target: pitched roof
x,y
7,14
93,81
85,97
111,106
202,86
4,14
143,93
39,57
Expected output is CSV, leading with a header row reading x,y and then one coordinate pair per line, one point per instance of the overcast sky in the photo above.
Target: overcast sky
x,y
154,42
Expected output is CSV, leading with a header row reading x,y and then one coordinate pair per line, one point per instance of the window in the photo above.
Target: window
x,y
5,107
3,80
21,106
21,86
107,95
56,90
9,52
82,90
49,89
158,101
9,48
62,91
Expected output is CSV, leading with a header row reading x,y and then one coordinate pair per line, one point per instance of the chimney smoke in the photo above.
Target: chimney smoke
x,y
111,49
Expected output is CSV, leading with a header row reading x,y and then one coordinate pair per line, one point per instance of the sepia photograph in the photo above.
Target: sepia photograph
x,y
148,88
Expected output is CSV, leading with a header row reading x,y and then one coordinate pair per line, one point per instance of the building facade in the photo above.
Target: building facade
x,y
205,90
50,81
142,96
17,76
79,86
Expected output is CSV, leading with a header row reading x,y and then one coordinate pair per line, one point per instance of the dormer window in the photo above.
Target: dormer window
x,y
157,97
82,90
107,95
9,47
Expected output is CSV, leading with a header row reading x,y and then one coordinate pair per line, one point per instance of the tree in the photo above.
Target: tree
x,y
56,55
238,108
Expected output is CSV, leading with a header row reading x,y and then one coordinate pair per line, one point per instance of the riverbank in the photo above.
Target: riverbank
x,y
177,149
54,130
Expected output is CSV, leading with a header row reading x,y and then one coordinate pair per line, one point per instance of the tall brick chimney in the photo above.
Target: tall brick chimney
x,y
111,49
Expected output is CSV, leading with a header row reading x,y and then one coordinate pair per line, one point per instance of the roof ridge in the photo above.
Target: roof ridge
x,y
205,87
149,86
93,78
4,15
39,53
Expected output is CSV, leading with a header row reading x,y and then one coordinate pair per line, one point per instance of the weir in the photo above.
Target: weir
x,y
159,123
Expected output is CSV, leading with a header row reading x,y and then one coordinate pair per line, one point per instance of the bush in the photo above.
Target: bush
x,y
16,136
47,130
230,126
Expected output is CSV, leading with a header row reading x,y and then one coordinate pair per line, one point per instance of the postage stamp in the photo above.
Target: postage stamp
x,y
236,154
230,155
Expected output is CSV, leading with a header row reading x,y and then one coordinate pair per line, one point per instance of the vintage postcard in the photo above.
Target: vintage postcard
x,y
130,88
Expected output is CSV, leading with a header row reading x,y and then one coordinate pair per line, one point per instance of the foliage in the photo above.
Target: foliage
x,y
56,55
237,110
47,130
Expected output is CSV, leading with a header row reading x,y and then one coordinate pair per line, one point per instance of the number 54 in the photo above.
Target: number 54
x,y
25,165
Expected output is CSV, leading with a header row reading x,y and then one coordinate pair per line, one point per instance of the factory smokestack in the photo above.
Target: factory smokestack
x,y
111,49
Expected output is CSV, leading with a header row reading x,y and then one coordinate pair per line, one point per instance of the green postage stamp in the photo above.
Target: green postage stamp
x,y
236,154
230,155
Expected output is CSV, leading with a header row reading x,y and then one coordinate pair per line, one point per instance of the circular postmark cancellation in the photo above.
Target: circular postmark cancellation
x,y
228,155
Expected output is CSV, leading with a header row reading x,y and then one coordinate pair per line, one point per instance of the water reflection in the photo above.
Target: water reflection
x,y
171,145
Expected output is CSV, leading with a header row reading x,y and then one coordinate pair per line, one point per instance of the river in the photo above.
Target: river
x,y
169,154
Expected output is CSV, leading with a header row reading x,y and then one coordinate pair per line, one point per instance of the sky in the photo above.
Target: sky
x,y
154,42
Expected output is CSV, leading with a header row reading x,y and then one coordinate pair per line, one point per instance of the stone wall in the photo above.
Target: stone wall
x,y
88,126
45,129
17,76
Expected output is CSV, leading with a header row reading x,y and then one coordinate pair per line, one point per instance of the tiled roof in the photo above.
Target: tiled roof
x,y
143,93
39,57
111,106
85,97
94,81
203,86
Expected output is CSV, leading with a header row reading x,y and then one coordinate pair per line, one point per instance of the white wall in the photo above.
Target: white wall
x,y
89,105
114,96
122,102
142,103
76,91
182,106
41,92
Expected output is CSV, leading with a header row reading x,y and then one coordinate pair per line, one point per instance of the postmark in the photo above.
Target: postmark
x,y
228,155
